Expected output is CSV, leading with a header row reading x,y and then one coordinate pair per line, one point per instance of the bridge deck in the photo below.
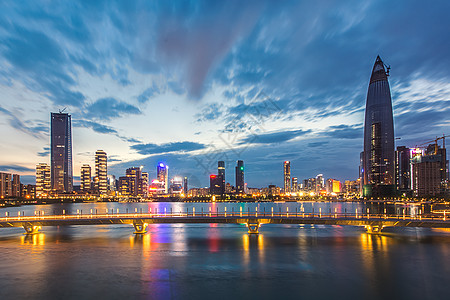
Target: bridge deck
x,y
367,220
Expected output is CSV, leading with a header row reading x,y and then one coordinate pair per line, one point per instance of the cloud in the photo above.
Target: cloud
x,y
45,152
103,129
344,131
15,122
40,63
146,149
109,108
15,168
148,93
198,37
274,137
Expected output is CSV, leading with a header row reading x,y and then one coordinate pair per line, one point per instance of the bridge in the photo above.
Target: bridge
x,y
373,223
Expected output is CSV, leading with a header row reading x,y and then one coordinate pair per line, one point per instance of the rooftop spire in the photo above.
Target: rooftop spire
x,y
378,71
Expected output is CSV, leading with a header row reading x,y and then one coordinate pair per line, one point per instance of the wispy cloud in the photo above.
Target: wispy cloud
x,y
146,149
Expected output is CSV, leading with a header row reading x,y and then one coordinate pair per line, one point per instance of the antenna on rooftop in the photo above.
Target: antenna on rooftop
x,y
61,111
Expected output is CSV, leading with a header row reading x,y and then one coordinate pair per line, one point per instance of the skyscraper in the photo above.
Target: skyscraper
x,y
85,178
185,186
101,172
295,188
61,153
135,180
162,175
221,174
144,185
287,177
16,185
320,183
215,185
5,185
240,177
403,169
379,156
43,179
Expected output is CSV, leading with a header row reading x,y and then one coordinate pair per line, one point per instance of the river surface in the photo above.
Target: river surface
x,y
222,261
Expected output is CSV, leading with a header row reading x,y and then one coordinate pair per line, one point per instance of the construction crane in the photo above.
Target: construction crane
x,y
435,142
61,111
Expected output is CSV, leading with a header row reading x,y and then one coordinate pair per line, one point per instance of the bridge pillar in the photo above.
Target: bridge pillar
x,y
140,228
375,229
31,229
253,228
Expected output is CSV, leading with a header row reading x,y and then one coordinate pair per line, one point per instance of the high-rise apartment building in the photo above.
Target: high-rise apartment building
x,y
185,186
320,183
287,177
379,158
403,169
135,180
215,185
295,187
43,180
61,153
429,172
162,174
144,185
101,172
16,185
112,183
240,185
5,185
221,174
85,178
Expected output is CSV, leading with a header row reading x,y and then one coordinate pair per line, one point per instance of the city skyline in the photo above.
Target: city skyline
x,y
143,101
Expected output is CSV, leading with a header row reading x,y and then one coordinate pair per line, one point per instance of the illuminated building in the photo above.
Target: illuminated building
x,y
5,185
287,177
329,185
240,177
403,169
43,179
157,188
351,188
61,153
185,185
176,186
229,189
112,183
274,190
429,171
215,185
134,180
29,190
162,175
144,185
221,173
379,158
124,186
295,187
101,172
85,178
337,187
320,183
16,185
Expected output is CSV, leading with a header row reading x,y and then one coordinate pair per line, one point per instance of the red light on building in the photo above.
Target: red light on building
x,y
212,176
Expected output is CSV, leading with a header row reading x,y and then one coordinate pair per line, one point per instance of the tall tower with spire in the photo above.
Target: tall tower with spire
x,y
378,170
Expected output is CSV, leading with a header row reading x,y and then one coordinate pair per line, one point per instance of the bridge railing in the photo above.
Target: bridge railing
x,y
223,214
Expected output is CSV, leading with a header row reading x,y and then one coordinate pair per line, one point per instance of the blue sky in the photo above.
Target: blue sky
x,y
193,82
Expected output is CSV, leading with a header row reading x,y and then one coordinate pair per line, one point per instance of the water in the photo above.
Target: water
x,y
204,261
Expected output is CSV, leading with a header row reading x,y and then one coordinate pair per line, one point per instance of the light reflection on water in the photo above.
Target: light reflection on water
x,y
185,261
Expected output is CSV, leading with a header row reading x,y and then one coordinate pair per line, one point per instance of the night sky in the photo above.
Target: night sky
x,y
191,83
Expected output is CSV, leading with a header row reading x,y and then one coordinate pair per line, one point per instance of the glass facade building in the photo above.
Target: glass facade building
x,y
378,170
61,153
